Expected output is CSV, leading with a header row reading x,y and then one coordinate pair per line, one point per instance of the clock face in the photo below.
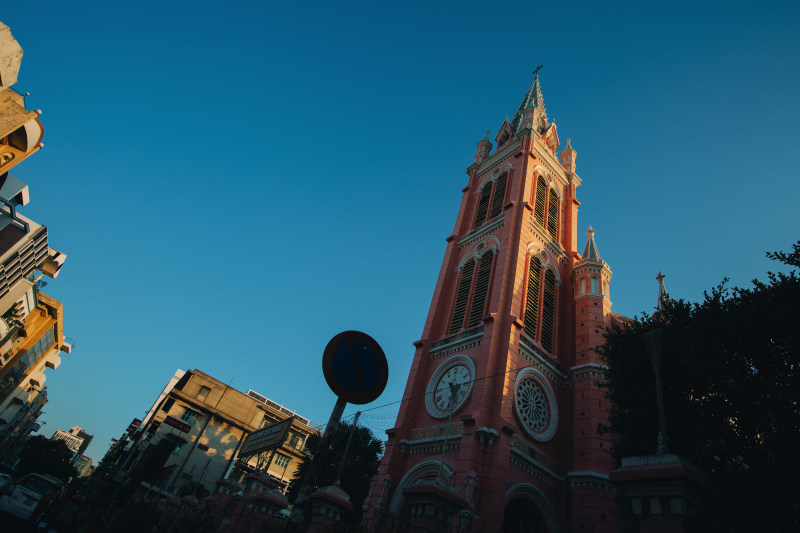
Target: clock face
x,y
452,387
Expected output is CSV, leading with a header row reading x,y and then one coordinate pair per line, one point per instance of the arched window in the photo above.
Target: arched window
x,y
540,304
595,286
532,297
582,285
481,289
474,282
492,195
545,207
541,198
552,215
460,308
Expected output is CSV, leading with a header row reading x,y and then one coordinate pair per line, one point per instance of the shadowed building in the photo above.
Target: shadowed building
x,y
31,323
194,431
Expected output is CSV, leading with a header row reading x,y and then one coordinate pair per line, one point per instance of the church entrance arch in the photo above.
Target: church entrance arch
x,y
424,470
528,511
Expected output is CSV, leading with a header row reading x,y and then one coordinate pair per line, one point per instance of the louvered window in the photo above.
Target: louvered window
x,y
483,205
552,215
481,288
460,308
548,310
499,196
538,208
540,304
532,297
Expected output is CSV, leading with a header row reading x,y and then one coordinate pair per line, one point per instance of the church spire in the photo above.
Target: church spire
x,y
663,295
590,251
533,101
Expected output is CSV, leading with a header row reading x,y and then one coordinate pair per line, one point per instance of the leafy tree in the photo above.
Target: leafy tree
x,y
730,370
361,464
44,456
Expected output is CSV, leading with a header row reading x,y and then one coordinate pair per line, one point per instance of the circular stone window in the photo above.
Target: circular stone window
x,y
536,404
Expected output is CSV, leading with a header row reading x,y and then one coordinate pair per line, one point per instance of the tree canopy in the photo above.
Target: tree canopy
x,y
44,456
730,369
361,464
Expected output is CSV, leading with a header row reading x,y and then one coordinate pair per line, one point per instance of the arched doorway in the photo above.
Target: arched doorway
x,y
528,511
523,516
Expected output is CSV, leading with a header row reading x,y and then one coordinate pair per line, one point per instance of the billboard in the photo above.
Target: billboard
x,y
266,438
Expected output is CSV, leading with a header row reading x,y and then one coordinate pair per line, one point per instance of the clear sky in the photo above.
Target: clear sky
x,y
237,182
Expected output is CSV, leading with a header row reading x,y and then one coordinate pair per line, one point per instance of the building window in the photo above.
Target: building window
x,y
168,405
203,393
295,440
281,461
491,200
545,208
540,304
189,416
474,282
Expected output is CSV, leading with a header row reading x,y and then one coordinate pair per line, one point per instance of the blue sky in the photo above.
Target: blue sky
x,y
235,184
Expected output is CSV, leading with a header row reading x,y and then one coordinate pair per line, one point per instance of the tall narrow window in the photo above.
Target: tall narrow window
x,y
499,196
538,207
548,310
491,200
540,304
483,205
532,297
481,288
552,215
460,308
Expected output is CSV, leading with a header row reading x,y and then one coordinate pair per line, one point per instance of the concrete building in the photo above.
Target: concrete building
x,y
498,426
83,465
76,439
31,323
192,435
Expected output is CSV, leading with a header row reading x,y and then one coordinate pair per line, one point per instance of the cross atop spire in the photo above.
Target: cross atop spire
x,y
532,99
663,295
590,251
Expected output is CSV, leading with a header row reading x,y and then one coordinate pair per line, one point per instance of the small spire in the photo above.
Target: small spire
x,y
590,251
532,99
663,295
487,136
569,144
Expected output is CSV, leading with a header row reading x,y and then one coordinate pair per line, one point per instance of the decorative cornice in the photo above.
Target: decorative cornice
x,y
589,479
501,156
459,342
541,361
476,235
588,369
535,468
546,241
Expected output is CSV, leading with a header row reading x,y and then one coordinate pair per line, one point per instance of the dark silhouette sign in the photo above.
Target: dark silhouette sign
x,y
355,367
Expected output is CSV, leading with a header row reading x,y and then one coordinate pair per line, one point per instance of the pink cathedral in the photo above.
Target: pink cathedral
x,y
498,426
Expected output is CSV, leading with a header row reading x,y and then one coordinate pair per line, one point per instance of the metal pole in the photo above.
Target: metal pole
x,y
347,449
652,341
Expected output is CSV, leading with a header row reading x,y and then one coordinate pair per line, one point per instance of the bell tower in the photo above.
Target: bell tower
x,y
497,428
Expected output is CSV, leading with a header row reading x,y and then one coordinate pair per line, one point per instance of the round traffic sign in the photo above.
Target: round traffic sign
x,y
355,367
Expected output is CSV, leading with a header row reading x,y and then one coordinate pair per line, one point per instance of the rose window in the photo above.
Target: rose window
x,y
532,405
535,404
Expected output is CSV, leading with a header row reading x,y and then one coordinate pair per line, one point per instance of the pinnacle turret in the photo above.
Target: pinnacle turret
x,y
590,251
533,101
